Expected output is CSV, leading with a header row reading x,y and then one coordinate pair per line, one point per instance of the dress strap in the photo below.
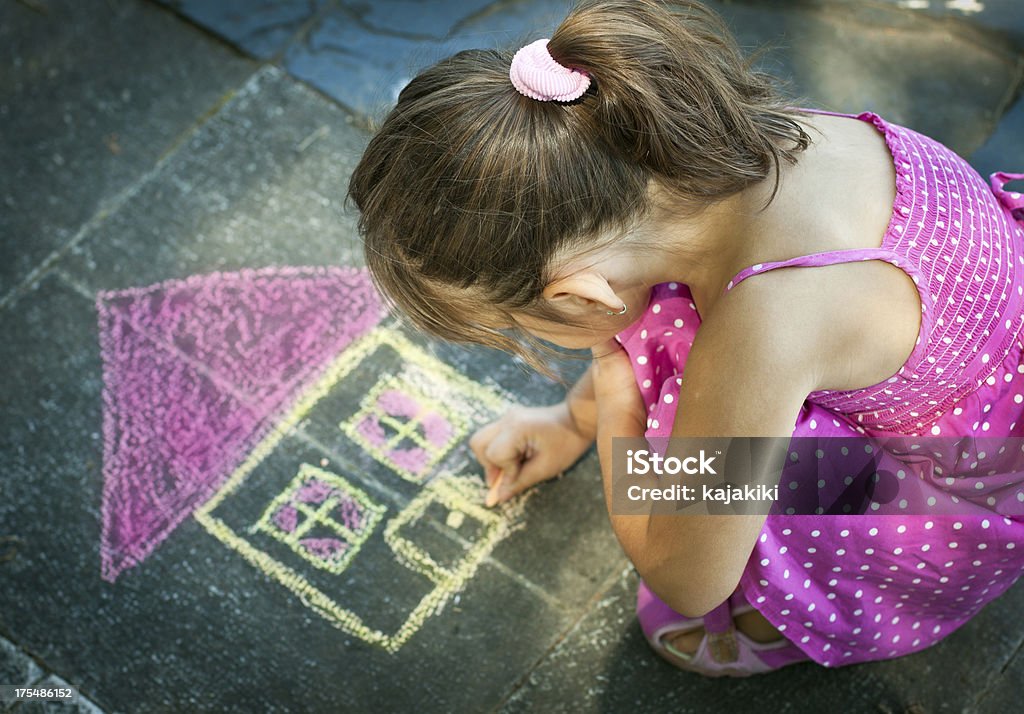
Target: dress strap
x,y
832,257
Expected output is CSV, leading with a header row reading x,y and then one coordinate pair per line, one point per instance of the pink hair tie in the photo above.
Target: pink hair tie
x,y
535,74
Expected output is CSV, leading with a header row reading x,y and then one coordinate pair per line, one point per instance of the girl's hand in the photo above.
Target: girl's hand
x,y
619,401
526,446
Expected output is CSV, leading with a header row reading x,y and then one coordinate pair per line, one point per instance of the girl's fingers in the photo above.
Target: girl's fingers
x,y
531,473
481,440
505,452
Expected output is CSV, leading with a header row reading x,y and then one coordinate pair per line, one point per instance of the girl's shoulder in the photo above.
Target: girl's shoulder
x,y
840,193
812,273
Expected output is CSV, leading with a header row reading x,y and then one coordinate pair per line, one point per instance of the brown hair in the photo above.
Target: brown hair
x,y
470,185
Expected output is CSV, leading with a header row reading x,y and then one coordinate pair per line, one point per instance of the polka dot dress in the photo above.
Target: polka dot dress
x,y
854,588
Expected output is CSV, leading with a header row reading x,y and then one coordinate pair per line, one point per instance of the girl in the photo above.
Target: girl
x,y
632,187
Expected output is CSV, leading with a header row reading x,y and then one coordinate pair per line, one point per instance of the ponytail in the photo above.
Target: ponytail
x,y
469,189
674,94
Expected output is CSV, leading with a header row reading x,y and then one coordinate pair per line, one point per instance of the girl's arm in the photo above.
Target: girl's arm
x,y
755,359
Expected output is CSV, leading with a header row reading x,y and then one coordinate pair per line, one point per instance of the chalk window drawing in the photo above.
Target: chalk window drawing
x,y
403,428
322,517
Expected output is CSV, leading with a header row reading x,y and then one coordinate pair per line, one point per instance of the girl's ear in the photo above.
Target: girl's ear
x,y
584,287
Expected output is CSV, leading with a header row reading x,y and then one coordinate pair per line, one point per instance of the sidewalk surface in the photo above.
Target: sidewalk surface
x,y
293,566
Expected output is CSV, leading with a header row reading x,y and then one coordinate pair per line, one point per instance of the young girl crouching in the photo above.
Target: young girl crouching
x,y
632,187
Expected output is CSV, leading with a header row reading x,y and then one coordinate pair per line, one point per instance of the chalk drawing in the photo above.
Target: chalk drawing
x,y
322,517
427,398
404,429
196,372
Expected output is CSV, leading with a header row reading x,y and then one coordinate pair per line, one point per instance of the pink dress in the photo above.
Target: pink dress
x,y
852,588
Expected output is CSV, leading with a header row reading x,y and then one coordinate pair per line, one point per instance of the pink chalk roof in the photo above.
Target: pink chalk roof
x,y
195,373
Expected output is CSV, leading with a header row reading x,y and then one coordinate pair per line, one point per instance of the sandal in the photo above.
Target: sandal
x,y
724,650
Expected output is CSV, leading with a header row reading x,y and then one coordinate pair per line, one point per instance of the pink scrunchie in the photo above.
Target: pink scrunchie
x,y
535,74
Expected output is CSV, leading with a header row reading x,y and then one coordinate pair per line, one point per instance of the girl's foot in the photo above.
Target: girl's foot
x,y
752,624
733,639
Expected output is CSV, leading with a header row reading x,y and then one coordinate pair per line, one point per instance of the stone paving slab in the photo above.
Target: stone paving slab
x,y
605,665
16,667
82,705
262,29
263,183
1004,149
50,418
1003,695
365,70
1002,16
81,124
942,79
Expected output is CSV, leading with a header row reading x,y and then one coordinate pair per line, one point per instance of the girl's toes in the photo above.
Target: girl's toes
x,y
685,642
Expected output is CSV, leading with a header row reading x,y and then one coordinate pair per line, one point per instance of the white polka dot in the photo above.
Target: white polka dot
x,y
642,359
668,398
656,309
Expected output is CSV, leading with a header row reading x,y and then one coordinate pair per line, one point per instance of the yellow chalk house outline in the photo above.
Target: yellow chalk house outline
x,y
462,495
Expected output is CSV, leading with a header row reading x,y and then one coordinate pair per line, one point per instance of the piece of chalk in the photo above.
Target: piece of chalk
x,y
492,495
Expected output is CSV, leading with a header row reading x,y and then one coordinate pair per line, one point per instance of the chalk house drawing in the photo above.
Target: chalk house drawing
x,y
195,373
426,405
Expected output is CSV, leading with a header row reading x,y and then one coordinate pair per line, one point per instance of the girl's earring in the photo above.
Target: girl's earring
x,y
620,312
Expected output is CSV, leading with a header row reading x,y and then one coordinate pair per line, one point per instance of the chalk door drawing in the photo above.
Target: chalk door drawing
x,y
399,501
